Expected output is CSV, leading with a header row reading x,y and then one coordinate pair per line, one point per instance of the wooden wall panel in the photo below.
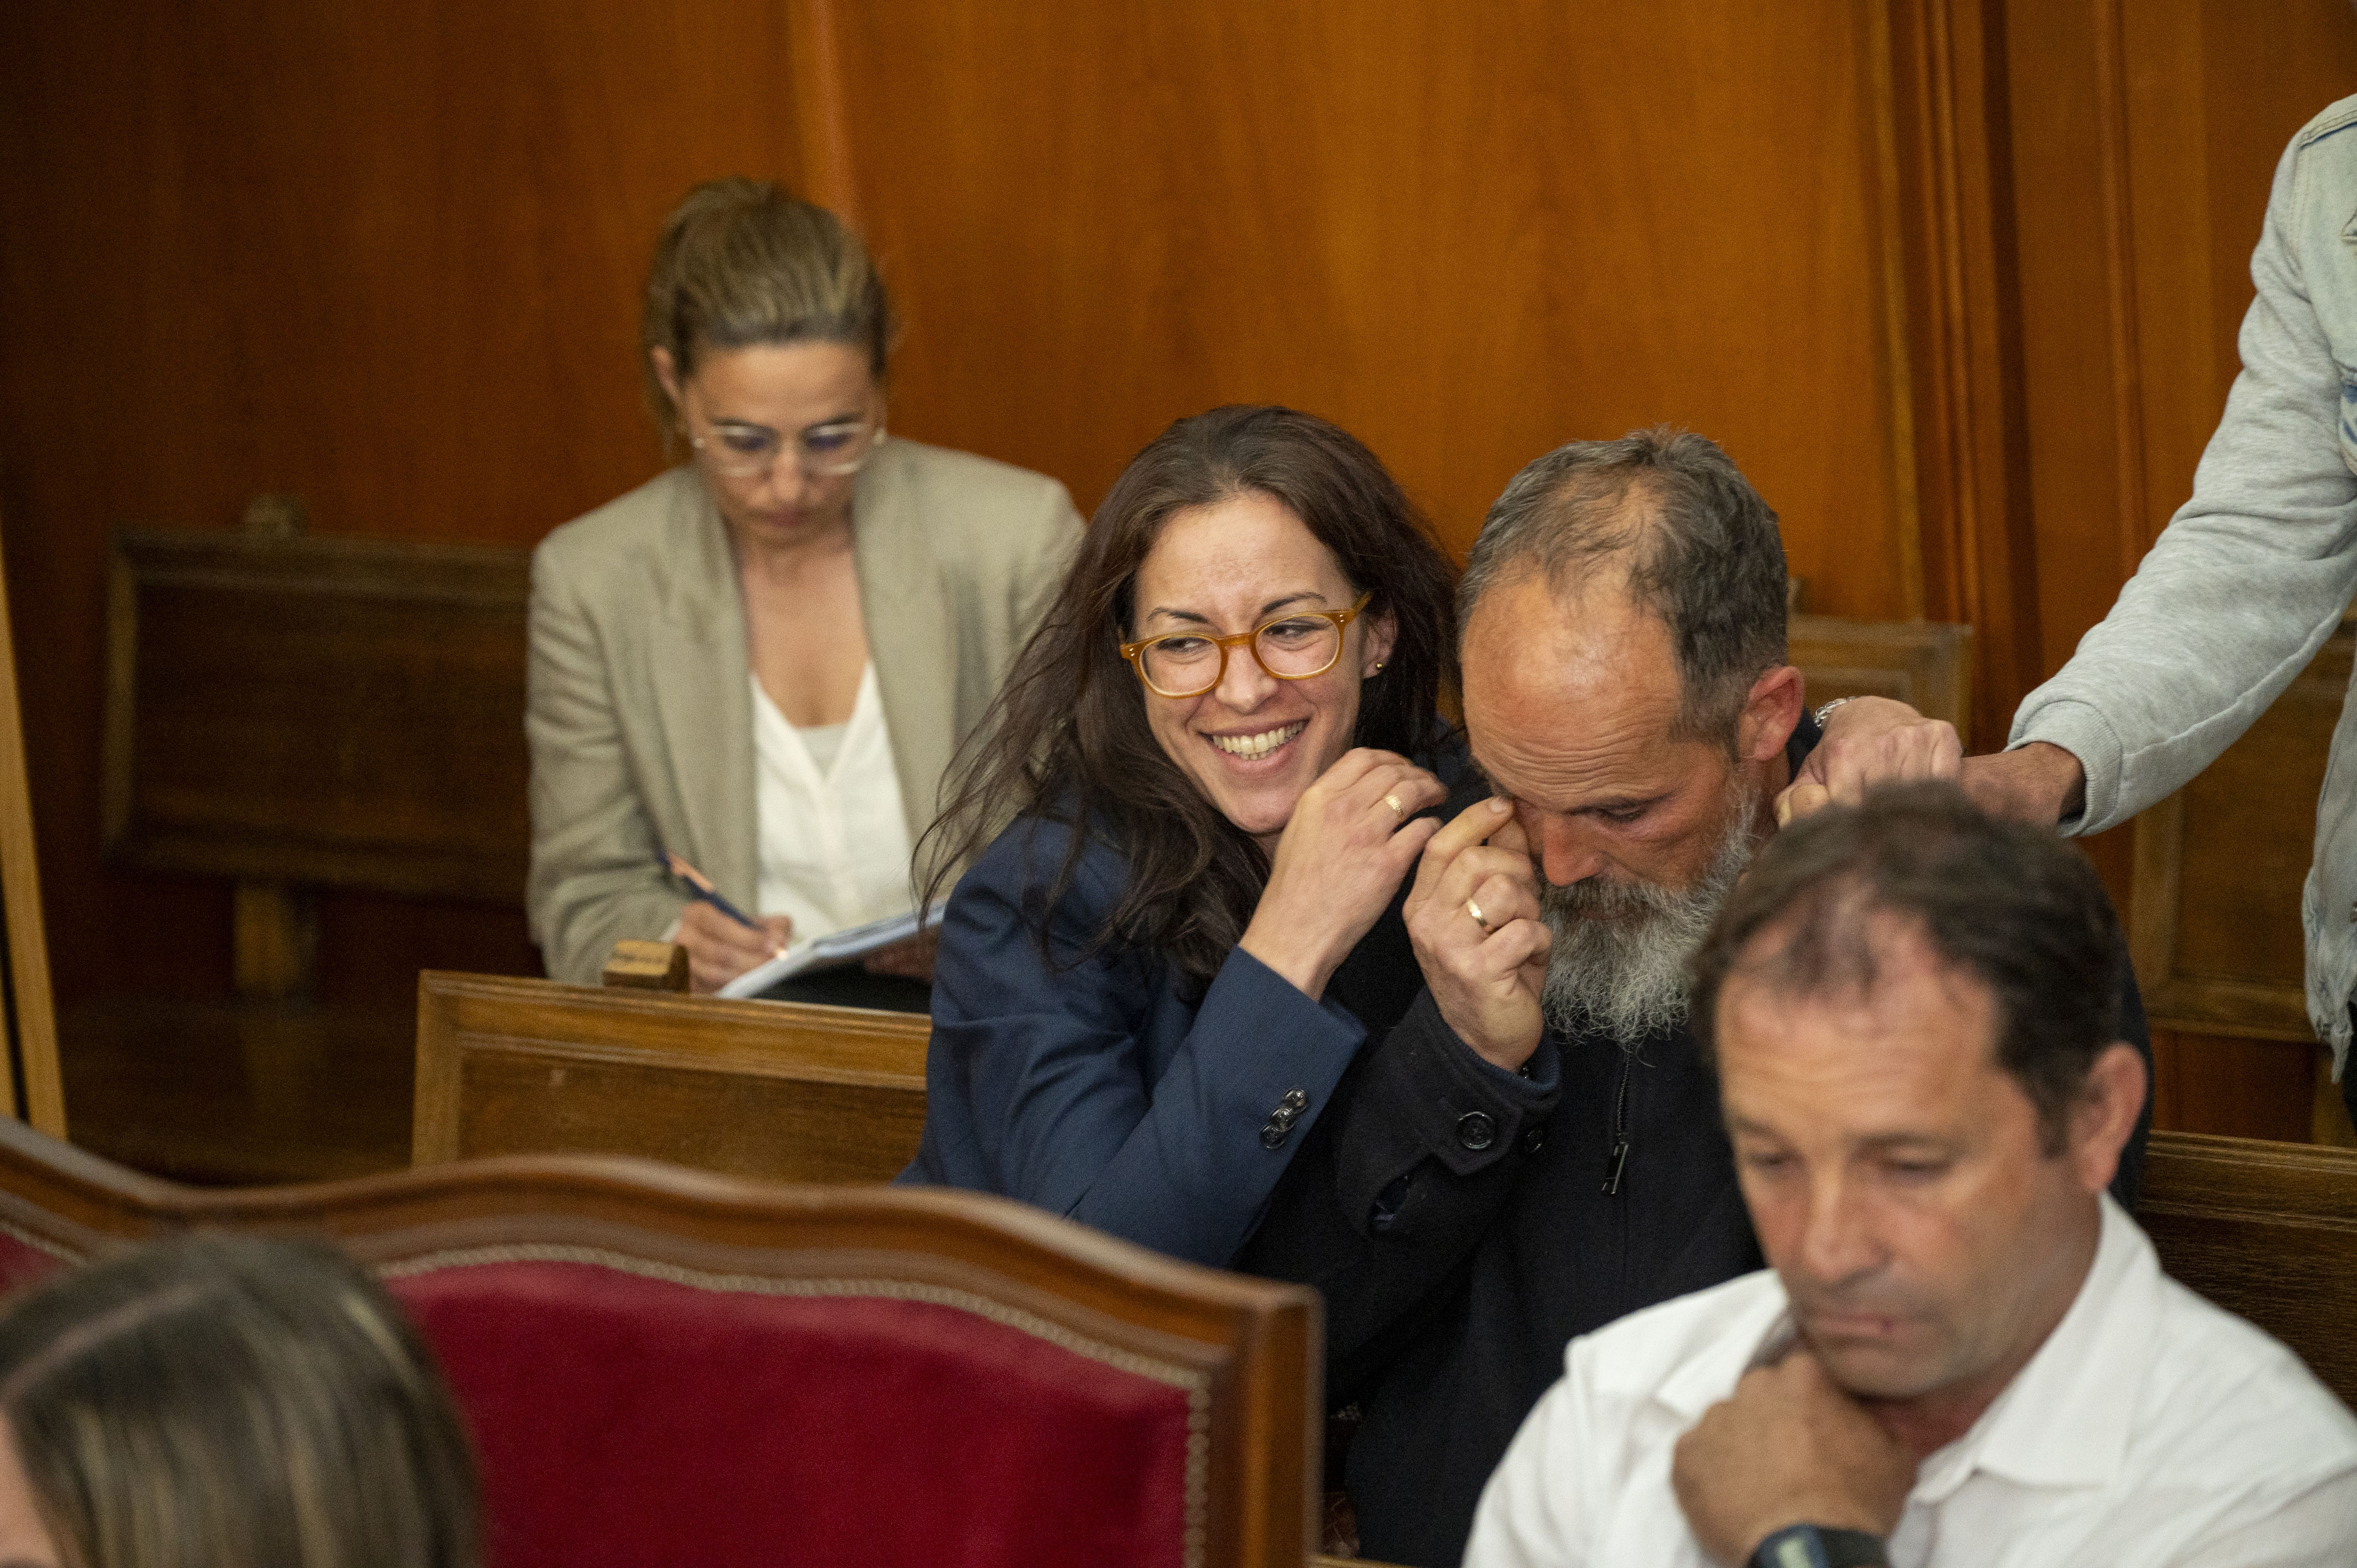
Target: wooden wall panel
x,y
2142,147
1468,233
2144,139
381,258
1956,280
1959,302
385,260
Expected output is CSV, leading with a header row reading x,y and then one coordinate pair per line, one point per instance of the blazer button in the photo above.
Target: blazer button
x,y
1476,1130
1533,1140
1274,1132
1295,1100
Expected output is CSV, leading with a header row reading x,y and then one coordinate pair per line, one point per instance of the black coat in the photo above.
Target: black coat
x,y
1466,1223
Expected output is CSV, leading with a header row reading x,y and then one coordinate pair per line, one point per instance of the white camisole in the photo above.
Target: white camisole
x,y
832,843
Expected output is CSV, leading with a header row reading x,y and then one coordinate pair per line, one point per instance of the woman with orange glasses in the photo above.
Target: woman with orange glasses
x,y
762,660
1189,822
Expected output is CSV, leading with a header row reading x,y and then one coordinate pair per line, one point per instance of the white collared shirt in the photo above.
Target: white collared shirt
x,y
2151,1428
832,843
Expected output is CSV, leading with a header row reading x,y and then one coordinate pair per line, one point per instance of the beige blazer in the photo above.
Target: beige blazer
x,y
638,715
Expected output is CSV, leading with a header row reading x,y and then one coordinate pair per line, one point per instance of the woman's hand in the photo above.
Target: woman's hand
x,y
1339,862
719,949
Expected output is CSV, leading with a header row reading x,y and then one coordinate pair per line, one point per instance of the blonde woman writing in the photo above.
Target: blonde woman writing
x,y
761,660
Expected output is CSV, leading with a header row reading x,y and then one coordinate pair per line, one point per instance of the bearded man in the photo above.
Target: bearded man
x,y
1536,1149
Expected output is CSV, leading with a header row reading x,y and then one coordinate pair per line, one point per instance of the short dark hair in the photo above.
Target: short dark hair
x,y
2007,903
1705,556
1068,737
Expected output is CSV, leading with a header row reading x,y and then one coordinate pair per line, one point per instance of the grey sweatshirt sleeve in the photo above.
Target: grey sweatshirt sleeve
x,y
2251,576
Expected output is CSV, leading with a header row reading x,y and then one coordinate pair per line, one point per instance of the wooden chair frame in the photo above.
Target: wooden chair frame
x,y
38,1082
1250,1349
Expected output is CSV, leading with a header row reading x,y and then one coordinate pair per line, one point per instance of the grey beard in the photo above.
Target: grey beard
x,y
1628,977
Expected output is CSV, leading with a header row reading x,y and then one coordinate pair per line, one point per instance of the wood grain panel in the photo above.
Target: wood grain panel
x,y
319,710
1951,179
785,1091
37,1088
2215,922
382,257
1467,234
2267,1232
1921,663
2233,1085
2142,143
553,1102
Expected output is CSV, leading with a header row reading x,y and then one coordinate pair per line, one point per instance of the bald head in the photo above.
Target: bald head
x,y
1659,522
1574,693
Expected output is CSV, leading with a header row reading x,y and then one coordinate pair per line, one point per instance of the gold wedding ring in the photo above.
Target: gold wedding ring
x,y
1398,808
1475,910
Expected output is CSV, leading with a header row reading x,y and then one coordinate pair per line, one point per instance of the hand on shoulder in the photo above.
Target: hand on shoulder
x,y
1874,740
1869,741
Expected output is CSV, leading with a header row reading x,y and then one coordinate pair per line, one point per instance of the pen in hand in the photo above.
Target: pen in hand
x,y
703,888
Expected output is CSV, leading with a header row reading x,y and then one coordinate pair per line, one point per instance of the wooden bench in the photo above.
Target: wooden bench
x,y
292,715
2267,1230
1218,1372
781,1091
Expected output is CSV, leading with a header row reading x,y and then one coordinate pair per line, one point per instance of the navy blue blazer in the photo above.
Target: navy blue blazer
x,y
1101,1092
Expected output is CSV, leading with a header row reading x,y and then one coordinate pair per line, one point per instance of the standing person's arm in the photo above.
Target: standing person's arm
x,y
594,877
2245,583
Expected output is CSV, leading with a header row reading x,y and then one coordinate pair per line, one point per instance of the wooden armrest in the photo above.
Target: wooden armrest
x,y
650,966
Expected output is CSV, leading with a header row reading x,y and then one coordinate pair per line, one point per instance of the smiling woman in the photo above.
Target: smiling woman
x,y
762,660
1189,820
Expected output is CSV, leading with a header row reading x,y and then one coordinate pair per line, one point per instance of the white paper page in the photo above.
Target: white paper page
x,y
836,947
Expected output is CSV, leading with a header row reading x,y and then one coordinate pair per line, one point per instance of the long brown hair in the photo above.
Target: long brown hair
x,y
1067,740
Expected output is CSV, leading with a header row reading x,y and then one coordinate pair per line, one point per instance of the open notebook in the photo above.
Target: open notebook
x,y
835,948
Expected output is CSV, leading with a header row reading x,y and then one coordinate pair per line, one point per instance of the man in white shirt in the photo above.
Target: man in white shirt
x,y
1964,1351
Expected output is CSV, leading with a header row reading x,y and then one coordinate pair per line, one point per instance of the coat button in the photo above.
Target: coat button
x,y
1476,1130
1295,1099
1533,1140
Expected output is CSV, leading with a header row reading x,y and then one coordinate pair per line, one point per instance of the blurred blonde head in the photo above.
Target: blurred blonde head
x,y
739,263
216,1402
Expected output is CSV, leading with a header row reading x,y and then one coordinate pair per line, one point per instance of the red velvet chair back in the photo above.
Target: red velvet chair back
x,y
661,1366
